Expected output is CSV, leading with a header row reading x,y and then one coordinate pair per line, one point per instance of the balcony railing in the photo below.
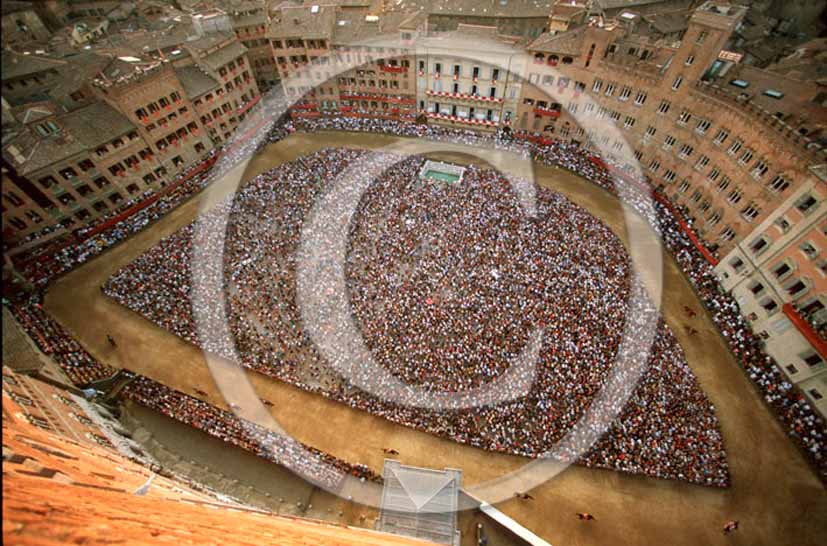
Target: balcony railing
x,y
393,69
806,330
458,119
379,98
248,105
546,112
463,96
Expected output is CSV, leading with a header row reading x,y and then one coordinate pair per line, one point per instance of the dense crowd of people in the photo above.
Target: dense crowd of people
x,y
82,369
801,421
263,442
618,448
52,339
446,280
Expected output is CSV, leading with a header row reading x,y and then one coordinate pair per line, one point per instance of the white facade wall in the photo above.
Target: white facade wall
x,y
495,66
753,284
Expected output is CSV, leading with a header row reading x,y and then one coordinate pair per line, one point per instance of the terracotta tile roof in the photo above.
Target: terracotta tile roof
x,y
9,7
668,23
244,5
81,68
356,28
490,8
566,43
82,129
96,124
195,81
15,65
57,492
209,40
301,22
249,20
619,4
219,58
38,152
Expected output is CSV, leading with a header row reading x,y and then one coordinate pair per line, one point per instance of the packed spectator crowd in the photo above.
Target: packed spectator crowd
x,y
446,281
801,421
805,426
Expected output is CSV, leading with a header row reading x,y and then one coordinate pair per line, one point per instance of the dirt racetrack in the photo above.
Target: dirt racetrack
x,y
774,494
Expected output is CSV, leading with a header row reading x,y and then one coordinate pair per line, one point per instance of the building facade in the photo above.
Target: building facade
x,y
149,119
725,161
469,79
21,25
738,149
778,276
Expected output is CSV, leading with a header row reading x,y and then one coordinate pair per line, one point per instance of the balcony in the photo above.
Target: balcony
x,y
378,98
545,112
393,69
457,119
806,330
392,114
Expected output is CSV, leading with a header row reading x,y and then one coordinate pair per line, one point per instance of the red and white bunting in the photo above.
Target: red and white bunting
x,y
458,119
463,96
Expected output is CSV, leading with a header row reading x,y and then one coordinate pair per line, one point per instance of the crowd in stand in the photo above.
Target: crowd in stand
x,y
64,253
82,368
300,458
802,423
61,254
446,281
51,338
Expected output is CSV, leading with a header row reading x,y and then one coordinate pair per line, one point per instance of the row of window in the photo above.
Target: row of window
x,y
625,92
231,66
477,72
782,270
382,84
37,79
99,206
158,105
67,198
685,151
298,42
